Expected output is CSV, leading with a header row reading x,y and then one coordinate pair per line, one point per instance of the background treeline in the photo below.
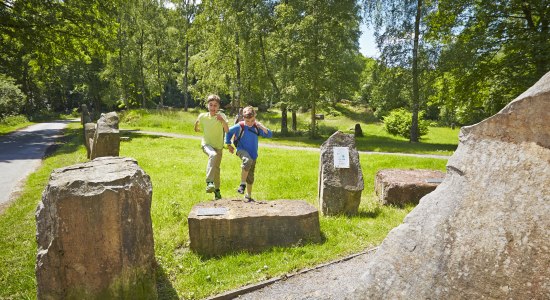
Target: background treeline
x,y
452,61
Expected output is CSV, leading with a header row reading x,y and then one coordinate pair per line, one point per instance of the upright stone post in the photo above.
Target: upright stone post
x,y
94,233
84,115
89,132
340,176
107,137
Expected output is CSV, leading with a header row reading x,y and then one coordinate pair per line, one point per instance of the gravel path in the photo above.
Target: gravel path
x,y
334,280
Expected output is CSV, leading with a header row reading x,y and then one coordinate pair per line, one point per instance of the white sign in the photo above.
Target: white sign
x,y
341,157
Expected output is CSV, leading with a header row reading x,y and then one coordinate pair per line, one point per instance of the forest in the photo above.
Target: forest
x,y
449,61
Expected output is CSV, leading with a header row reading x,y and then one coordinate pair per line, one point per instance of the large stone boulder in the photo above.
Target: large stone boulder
x,y
94,233
224,226
340,176
106,140
484,232
399,187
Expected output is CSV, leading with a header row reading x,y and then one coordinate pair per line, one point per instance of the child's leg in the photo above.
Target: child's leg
x,y
246,164
213,166
250,179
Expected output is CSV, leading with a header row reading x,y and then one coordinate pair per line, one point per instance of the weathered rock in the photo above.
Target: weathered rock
x,y
84,115
339,188
94,233
107,137
358,131
89,132
252,227
485,231
400,187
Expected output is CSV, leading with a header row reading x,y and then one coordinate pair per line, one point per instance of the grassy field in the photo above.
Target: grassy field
x,y
439,140
176,167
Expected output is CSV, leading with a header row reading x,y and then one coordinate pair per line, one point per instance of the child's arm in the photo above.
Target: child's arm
x,y
197,128
265,132
223,120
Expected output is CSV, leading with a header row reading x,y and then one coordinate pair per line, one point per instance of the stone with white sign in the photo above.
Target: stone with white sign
x,y
340,175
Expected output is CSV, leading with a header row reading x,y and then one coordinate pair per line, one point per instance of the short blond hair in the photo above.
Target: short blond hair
x,y
213,97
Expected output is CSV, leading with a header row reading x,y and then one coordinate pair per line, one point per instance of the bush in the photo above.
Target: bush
x,y
399,121
11,97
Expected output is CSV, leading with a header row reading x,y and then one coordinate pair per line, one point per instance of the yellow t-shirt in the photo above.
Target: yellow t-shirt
x,y
212,130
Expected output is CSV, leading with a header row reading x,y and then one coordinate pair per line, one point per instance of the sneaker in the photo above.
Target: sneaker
x,y
217,195
248,199
210,188
241,188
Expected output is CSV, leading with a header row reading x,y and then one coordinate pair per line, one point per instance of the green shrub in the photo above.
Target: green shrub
x,y
11,97
399,121
14,120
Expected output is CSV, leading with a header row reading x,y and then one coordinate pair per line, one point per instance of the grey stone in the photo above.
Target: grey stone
x,y
106,140
485,231
253,227
84,115
94,233
89,132
339,188
400,187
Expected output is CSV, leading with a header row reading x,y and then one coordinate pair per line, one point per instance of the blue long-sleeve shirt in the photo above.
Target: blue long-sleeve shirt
x,y
249,138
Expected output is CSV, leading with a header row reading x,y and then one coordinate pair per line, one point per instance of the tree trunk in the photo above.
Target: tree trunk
x,y
185,78
284,120
238,71
294,121
415,98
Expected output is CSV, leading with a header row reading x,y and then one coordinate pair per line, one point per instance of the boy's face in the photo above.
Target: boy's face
x,y
213,107
249,121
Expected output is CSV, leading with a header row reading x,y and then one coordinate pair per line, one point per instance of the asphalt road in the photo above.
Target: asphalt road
x,y
21,153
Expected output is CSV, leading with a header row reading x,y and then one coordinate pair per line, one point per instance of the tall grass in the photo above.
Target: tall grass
x,y
176,168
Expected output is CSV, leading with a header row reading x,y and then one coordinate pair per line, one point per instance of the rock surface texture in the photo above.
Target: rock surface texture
x,y
339,188
484,232
400,187
253,226
94,233
106,140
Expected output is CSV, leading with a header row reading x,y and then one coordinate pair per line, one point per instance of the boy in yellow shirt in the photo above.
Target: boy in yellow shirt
x,y
213,124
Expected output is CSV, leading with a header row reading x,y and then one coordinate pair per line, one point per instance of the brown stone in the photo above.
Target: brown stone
x,y
89,132
253,226
106,140
400,187
484,232
94,233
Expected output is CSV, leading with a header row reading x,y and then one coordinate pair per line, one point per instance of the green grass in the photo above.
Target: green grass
x,y
176,167
440,140
12,123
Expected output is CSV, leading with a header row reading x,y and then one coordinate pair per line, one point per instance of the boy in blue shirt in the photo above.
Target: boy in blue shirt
x,y
245,135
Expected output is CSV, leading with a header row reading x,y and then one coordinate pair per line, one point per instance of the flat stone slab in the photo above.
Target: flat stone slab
x,y
400,187
225,226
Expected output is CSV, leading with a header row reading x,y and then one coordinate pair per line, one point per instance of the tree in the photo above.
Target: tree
x,y
397,23
320,39
493,52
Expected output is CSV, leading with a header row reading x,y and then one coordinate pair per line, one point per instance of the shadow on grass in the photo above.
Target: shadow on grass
x,y
372,214
165,290
356,115
389,144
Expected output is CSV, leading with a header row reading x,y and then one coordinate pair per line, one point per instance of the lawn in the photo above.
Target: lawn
x,y
176,168
439,140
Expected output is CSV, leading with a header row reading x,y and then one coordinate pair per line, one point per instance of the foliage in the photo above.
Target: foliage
x,y
398,123
12,99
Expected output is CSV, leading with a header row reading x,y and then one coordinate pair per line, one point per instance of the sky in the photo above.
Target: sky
x,y
367,45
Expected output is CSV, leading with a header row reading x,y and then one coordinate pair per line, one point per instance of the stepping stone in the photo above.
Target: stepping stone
x,y
225,226
400,187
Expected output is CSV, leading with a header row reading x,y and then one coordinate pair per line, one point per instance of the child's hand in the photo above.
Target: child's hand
x,y
219,117
230,148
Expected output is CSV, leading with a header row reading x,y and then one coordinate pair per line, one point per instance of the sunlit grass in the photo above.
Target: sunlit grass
x,y
176,168
439,140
